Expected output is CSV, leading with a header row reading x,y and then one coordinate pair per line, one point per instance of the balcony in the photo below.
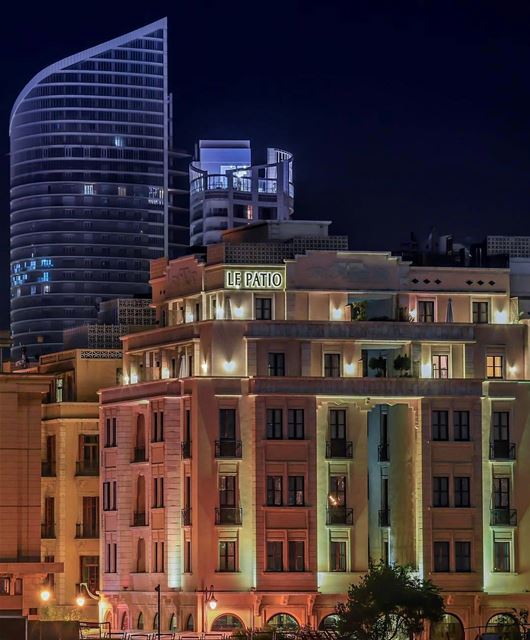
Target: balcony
x,y
47,530
87,468
339,515
185,447
140,454
339,449
384,517
139,519
502,450
83,530
503,517
229,515
47,469
185,515
383,452
228,449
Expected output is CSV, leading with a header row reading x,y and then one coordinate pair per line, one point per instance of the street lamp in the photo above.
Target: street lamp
x,y
158,607
80,600
209,600
45,595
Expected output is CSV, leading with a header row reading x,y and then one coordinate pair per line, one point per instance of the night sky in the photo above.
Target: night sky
x,y
400,115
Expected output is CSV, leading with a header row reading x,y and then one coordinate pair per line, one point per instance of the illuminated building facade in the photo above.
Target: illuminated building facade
x,y
70,502
92,186
301,409
227,191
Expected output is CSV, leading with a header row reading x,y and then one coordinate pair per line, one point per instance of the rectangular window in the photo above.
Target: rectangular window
x,y
461,425
495,367
501,426
110,432
89,571
337,424
295,496
440,491
426,311
109,495
263,308
296,554
227,491
276,364
440,366
337,491
158,426
158,557
337,560
90,516
462,556
227,424
158,492
480,312
295,424
227,556
274,491
111,557
501,493
332,365
274,555
462,491
187,556
440,420
441,556
501,556
274,424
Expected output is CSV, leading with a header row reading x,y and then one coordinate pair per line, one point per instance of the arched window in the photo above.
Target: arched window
x,y
140,623
190,624
283,621
448,628
172,622
108,616
124,625
329,622
227,622
140,501
155,622
505,625
140,448
140,556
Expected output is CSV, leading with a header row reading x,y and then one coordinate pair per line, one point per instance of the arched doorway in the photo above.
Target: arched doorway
x,y
448,628
505,625
283,622
329,622
227,622
155,622
190,623
124,624
172,626
140,623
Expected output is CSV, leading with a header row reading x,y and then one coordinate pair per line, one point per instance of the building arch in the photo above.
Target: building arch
x,y
172,626
140,433
124,623
450,627
140,622
190,623
227,622
140,556
505,625
329,622
283,620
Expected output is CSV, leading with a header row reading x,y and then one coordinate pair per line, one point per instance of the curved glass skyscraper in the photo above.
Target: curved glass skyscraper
x,y
91,186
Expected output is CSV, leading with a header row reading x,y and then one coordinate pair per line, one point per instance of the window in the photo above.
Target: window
x,y
462,556
89,571
90,516
480,312
337,491
158,557
89,451
187,556
337,424
274,491
501,426
440,366
158,426
332,365
441,556
227,424
158,492
337,559
295,424
440,421
5,586
274,424
111,557
276,364
296,555
227,491
501,493
495,367
274,555
263,308
227,555
462,485
110,432
122,191
501,556
461,425
426,311
88,190
440,493
295,497
109,495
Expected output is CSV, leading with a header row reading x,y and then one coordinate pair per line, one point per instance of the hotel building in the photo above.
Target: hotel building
x,y
302,409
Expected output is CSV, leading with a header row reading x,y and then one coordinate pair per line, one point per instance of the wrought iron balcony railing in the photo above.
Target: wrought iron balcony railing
x,y
502,450
83,530
229,515
503,517
339,515
228,449
87,468
47,530
339,449
47,469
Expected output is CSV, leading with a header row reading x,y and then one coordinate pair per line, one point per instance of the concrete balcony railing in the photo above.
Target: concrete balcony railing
x,y
338,448
47,530
229,515
384,517
48,469
502,450
503,517
87,468
339,515
84,530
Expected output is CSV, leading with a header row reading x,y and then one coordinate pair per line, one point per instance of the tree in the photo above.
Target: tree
x,y
390,601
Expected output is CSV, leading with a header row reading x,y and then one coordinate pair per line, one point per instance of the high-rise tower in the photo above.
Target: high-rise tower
x,y
92,197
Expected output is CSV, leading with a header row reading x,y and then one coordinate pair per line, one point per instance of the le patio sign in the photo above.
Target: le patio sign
x,y
254,279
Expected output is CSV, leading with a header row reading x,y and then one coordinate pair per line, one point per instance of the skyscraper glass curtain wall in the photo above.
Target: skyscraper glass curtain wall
x,y
92,197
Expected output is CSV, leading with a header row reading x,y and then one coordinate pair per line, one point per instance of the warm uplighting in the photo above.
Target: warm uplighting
x,y
238,312
80,601
189,317
349,368
500,316
204,367
229,366
165,373
426,370
336,314
219,313
45,595
512,369
134,378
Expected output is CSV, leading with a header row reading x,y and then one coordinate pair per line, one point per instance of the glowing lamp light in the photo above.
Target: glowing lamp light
x,y
229,366
238,312
125,379
512,369
212,603
426,370
349,368
80,601
45,595
336,314
134,378
219,313
500,316
165,373
204,367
